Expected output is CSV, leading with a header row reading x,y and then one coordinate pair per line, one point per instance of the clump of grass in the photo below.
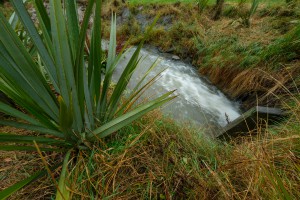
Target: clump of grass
x,y
6,8
131,28
151,159
114,6
246,15
286,48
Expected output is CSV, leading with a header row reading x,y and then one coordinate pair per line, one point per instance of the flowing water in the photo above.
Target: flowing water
x,y
198,101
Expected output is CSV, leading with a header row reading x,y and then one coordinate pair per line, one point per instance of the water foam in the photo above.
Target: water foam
x,y
198,101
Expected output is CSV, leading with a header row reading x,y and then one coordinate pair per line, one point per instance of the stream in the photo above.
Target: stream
x,y
198,101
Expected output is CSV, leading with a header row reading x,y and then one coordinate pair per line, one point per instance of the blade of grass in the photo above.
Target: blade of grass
x,y
46,165
112,43
4,137
45,26
97,51
28,148
14,112
63,192
79,69
30,127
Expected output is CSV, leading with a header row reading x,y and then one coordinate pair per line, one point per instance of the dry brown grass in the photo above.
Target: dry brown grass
x,y
18,165
262,86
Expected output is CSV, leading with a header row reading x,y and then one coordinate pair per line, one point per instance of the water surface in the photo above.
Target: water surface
x,y
198,101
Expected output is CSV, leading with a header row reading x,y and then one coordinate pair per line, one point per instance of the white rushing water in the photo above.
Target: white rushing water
x,y
198,101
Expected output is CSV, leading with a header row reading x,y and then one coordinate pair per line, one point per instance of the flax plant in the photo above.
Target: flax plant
x,y
68,103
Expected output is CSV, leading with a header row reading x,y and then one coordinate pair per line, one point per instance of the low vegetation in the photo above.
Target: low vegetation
x,y
256,62
247,39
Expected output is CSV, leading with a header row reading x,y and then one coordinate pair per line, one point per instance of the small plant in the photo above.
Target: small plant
x,y
68,103
246,16
202,4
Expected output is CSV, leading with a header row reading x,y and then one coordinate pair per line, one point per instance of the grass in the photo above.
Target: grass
x,y
211,2
6,9
156,159
225,50
232,56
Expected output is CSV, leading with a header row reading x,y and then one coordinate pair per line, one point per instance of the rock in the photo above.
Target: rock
x,y
119,20
170,50
166,20
140,8
160,50
256,118
126,14
175,57
142,20
188,60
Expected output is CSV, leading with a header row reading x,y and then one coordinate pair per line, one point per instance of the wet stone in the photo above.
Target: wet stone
x,y
175,57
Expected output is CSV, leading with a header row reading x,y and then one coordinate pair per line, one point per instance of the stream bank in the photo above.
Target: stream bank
x,y
233,57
